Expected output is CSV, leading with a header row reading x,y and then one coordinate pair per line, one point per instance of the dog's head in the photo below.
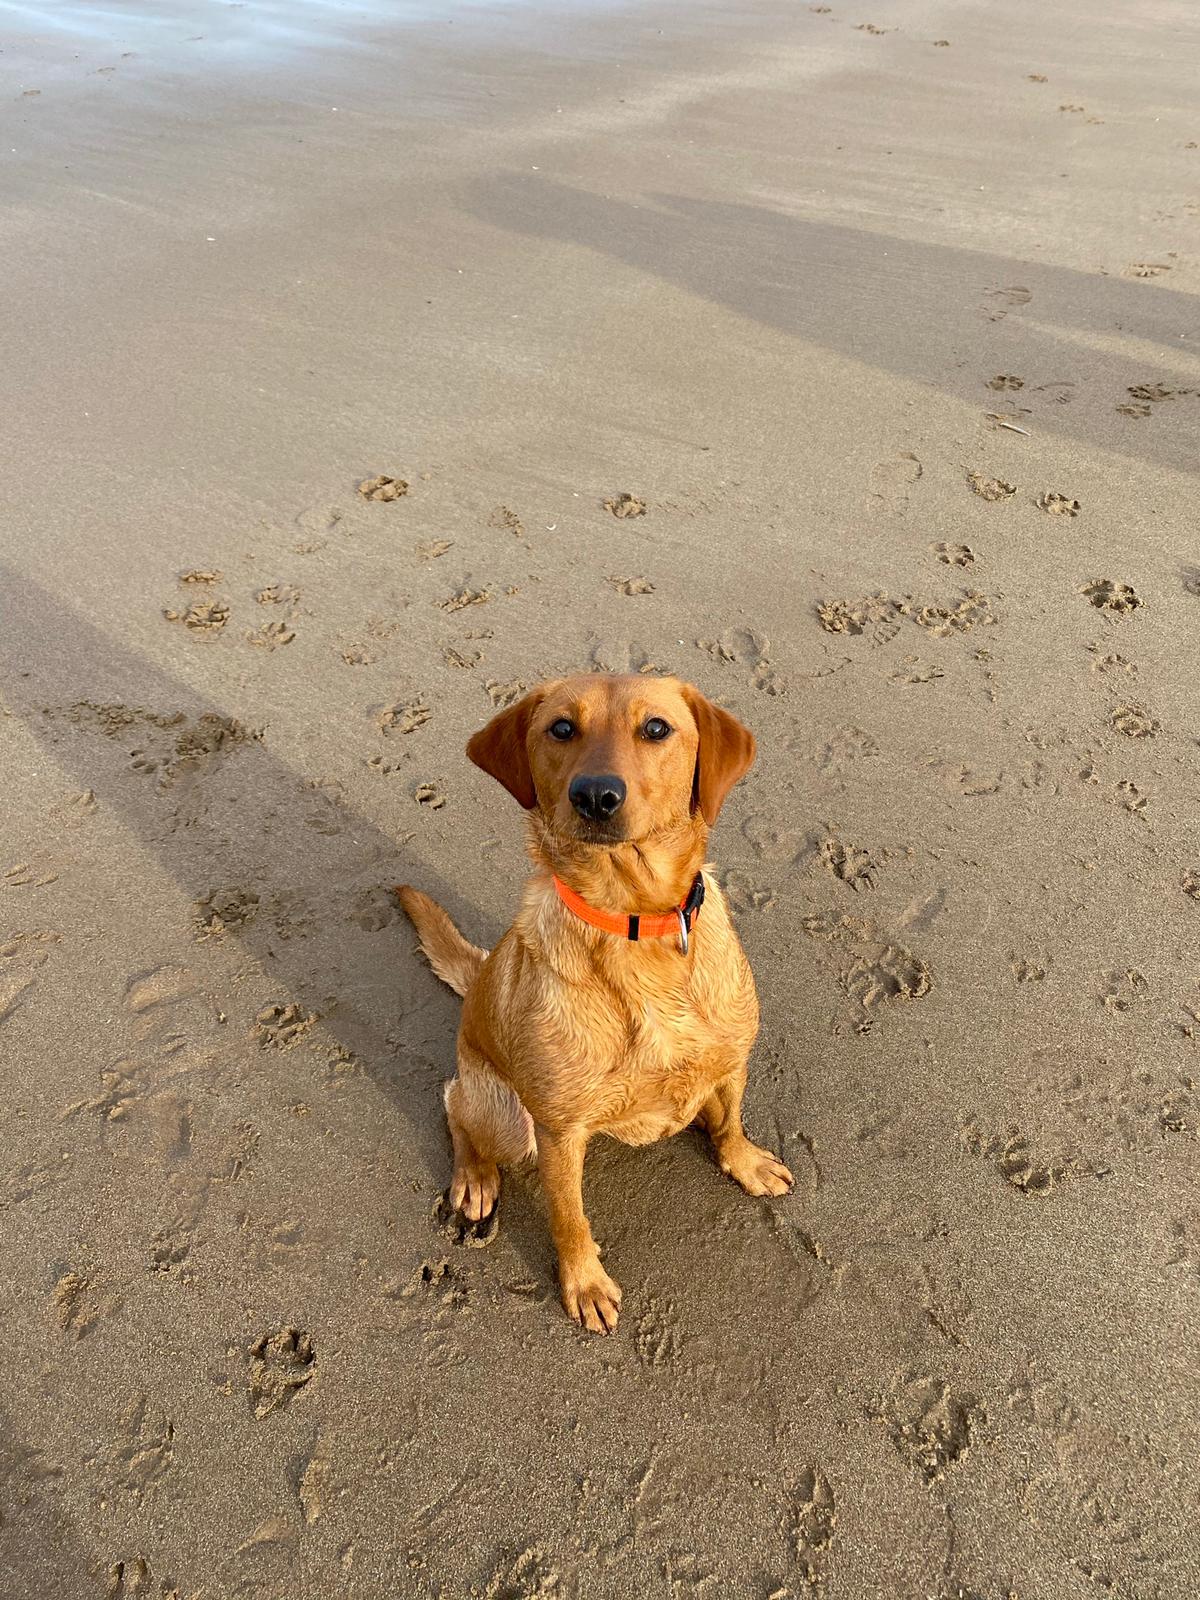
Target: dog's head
x,y
609,760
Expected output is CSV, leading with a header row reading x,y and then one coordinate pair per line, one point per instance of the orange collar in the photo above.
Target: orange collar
x,y
629,925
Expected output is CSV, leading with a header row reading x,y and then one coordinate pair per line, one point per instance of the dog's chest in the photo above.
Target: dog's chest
x,y
678,1043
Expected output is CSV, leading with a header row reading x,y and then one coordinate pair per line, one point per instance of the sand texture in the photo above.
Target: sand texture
x,y
361,369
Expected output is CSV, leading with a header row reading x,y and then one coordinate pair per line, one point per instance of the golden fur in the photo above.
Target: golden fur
x,y
570,1031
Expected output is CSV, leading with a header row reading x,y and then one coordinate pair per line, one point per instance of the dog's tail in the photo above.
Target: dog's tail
x,y
454,960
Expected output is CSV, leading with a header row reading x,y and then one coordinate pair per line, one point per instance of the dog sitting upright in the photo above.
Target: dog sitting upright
x,y
620,1000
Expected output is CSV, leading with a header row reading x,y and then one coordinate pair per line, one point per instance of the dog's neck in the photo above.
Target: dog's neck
x,y
636,876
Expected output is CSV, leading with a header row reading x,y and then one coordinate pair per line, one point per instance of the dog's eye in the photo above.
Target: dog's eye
x,y
562,730
655,728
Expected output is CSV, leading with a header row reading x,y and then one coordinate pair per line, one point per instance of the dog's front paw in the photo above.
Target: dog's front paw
x,y
474,1189
589,1295
756,1169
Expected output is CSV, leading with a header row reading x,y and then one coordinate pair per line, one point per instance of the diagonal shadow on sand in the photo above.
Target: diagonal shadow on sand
x,y
921,311
268,826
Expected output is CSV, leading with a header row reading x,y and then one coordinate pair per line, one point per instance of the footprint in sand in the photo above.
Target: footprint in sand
x,y
81,1300
1026,970
325,808
771,843
279,594
1107,661
953,555
281,1364
163,986
850,864
316,522
1056,504
271,635
169,1254
143,1452
75,810
932,1425
464,597
1061,393
403,717
1145,396
504,694
133,1579
891,481
374,909
990,489
998,302
747,648
432,549
840,751
1132,798
915,670
280,1026
880,970
462,659
1123,991
383,488
203,616
814,1526
507,521
387,766
36,873
971,782
877,616
176,747
886,973
1135,722
1016,1160
20,962
626,505
943,621
1106,595
623,657
743,894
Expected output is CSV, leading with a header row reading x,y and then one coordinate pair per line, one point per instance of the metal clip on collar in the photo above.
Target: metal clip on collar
x,y
689,911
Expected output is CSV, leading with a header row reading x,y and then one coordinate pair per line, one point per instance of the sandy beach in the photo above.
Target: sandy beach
x,y
887,316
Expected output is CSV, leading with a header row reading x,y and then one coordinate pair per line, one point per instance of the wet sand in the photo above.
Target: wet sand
x,y
889,317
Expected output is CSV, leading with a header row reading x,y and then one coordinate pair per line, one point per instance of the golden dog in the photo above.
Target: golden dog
x,y
620,1000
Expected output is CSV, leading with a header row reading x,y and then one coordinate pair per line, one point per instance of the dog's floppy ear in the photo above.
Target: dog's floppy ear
x,y
725,753
500,749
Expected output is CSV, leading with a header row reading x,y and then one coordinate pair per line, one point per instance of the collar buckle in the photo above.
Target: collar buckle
x,y
689,911
695,899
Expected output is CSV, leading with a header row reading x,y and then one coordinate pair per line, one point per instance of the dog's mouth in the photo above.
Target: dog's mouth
x,y
601,833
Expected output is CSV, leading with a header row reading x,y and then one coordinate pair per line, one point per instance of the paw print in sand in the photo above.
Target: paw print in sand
x,y
383,488
626,505
953,555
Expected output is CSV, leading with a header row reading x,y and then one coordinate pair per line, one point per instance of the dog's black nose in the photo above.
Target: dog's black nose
x,y
597,799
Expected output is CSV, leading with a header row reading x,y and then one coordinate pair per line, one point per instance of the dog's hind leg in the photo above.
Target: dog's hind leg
x,y
489,1128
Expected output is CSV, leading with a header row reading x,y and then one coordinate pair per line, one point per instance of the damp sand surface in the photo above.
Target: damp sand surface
x,y
843,361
